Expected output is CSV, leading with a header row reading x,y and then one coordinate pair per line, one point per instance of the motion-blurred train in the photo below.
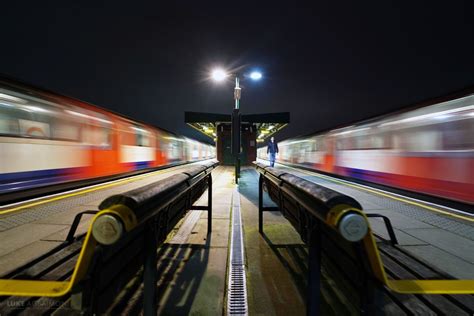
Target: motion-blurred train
x,y
47,139
427,149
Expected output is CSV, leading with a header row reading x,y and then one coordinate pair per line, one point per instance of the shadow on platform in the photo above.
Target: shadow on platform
x,y
181,268
294,257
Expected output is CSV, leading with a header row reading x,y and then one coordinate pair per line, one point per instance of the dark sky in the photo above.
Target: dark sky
x,y
328,64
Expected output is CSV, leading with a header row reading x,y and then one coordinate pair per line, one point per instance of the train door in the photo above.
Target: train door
x,y
104,154
228,159
329,159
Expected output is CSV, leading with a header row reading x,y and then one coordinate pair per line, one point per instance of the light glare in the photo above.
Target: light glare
x,y
218,74
256,75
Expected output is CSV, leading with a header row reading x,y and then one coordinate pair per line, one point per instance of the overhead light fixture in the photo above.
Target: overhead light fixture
x,y
218,74
255,75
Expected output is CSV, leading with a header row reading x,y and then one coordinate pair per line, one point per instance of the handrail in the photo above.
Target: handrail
x,y
322,200
131,215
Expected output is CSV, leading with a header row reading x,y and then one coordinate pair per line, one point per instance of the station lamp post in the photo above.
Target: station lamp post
x,y
220,75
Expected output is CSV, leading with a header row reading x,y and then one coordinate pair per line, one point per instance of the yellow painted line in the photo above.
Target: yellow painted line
x,y
99,187
469,219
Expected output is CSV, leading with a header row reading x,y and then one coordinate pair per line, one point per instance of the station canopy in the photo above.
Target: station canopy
x,y
267,124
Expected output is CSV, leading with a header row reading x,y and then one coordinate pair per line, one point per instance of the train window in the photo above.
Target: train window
x,y
8,124
418,139
97,136
143,140
380,141
142,137
10,116
346,143
35,118
66,130
34,129
362,142
459,135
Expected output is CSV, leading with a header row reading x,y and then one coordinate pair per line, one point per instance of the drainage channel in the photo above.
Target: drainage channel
x,y
237,287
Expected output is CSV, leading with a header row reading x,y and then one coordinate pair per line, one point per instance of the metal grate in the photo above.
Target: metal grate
x,y
237,287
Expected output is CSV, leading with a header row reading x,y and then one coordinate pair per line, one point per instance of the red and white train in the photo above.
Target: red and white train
x,y
428,149
47,139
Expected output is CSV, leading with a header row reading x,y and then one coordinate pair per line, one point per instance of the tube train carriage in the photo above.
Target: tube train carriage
x,y
48,139
428,150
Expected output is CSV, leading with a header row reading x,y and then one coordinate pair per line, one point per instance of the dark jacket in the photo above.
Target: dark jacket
x,y
272,148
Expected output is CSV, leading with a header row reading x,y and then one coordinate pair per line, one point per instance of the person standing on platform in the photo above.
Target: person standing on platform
x,y
272,149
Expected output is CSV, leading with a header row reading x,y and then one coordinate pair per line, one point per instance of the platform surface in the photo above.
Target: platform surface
x,y
193,265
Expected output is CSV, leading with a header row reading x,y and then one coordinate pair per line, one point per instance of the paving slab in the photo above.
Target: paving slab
x,y
442,260
24,255
449,242
19,237
62,234
379,228
198,283
196,270
368,206
219,236
276,261
219,211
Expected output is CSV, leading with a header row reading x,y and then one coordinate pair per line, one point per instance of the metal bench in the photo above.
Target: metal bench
x,y
345,262
122,238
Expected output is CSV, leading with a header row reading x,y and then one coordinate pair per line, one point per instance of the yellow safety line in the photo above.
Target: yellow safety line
x,y
99,187
384,194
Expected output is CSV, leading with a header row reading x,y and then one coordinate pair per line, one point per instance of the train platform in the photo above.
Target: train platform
x,y
276,262
442,236
194,267
31,228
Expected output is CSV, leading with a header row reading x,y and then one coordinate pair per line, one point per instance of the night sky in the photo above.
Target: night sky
x,y
328,64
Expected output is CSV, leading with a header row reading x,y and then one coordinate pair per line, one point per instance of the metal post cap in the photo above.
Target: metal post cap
x,y
107,229
353,227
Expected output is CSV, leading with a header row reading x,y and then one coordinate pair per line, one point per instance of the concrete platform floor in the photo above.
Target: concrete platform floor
x,y
193,265
276,262
195,269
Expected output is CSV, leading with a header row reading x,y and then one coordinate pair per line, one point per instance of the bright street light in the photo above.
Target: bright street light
x,y
255,75
218,74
